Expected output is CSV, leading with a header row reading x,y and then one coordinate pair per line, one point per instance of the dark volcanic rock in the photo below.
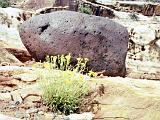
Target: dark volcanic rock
x,y
101,40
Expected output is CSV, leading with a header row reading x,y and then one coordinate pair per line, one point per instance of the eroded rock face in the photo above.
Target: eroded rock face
x,y
36,4
101,40
11,46
127,99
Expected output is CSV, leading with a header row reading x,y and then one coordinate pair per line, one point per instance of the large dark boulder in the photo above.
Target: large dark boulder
x,y
101,40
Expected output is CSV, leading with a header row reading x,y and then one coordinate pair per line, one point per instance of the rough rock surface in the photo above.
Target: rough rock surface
x,y
143,56
11,47
101,40
127,99
114,98
4,117
36,4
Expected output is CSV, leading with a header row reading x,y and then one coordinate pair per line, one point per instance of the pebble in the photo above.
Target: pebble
x,y
32,110
83,116
5,96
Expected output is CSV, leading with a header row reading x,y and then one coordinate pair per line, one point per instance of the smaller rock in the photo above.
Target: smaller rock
x,y
16,97
41,113
32,110
49,116
31,100
5,96
26,77
4,117
83,116
31,90
158,43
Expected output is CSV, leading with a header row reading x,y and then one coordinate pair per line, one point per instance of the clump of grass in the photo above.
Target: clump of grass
x,y
63,91
63,62
86,10
5,3
134,16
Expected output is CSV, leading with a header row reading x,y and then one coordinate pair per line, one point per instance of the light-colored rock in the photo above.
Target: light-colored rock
x,y
144,46
126,98
8,27
10,19
31,99
17,96
41,113
4,117
83,116
33,90
5,56
49,116
5,96
36,4
32,110
26,77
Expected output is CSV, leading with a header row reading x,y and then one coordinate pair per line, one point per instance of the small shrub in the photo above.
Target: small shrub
x,y
63,91
134,16
62,62
4,3
86,10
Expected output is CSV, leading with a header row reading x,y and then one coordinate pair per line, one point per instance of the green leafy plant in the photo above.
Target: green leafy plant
x,y
63,62
92,74
63,91
5,3
64,88
86,9
134,16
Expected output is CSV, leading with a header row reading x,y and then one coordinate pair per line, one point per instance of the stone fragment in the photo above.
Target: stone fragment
x,y
5,97
26,77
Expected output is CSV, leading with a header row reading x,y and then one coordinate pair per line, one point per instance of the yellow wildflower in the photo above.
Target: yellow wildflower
x,y
68,82
46,65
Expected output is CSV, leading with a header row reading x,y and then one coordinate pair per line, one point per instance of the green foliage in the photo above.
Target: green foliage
x,y
63,91
62,62
134,16
4,3
86,9
92,74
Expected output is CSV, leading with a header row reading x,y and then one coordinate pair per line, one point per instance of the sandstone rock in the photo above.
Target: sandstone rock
x,y
31,100
101,40
26,77
20,54
36,4
10,19
128,99
32,110
5,96
4,117
157,10
32,90
143,52
17,96
83,116
5,56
